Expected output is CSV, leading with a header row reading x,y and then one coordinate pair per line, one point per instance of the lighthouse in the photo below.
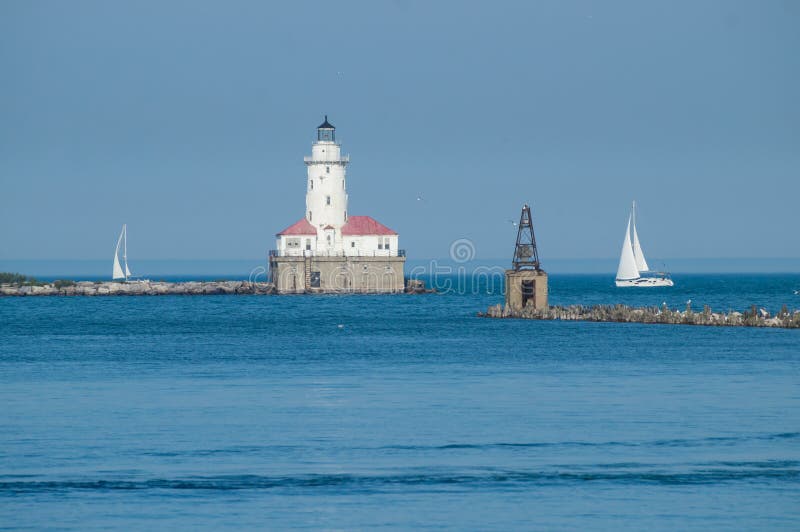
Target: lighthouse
x,y
328,249
326,191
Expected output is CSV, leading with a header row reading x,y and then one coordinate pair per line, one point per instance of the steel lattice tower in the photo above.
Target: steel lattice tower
x,y
526,256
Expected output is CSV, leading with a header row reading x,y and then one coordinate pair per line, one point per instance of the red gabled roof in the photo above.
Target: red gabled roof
x,y
301,227
365,225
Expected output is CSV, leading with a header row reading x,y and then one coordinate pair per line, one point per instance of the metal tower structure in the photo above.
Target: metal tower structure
x,y
526,256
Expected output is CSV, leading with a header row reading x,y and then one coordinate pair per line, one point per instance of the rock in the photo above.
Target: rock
x,y
417,286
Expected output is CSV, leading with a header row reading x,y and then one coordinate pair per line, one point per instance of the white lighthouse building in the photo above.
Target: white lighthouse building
x,y
327,236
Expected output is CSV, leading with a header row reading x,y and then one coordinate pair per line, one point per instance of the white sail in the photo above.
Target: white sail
x,y
125,250
118,273
641,263
627,262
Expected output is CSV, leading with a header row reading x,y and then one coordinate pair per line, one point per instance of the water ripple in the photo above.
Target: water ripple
x,y
771,471
685,442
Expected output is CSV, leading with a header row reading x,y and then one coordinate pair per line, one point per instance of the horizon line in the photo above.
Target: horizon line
x,y
449,259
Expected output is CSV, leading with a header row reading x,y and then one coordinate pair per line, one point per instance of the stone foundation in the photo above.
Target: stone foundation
x,y
300,275
525,288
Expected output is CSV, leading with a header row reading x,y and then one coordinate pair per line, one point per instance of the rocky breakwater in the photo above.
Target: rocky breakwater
x,y
136,288
753,317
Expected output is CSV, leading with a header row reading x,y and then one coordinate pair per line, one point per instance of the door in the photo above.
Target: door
x,y
528,292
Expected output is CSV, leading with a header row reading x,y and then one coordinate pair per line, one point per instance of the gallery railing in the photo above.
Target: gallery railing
x,y
346,253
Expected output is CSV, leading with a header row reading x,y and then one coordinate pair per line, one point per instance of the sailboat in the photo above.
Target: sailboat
x,y
632,263
119,273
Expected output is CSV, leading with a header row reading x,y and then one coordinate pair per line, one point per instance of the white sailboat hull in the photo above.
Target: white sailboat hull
x,y
645,282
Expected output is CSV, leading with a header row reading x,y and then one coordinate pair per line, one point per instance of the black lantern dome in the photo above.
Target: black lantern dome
x,y
326,131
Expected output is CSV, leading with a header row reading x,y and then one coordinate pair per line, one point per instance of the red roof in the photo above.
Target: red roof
x,y
365,225
302,227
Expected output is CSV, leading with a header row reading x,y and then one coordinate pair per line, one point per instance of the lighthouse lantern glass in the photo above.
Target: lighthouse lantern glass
x,y
325,134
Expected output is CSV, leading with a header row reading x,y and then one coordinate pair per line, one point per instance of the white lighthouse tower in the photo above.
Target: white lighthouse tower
x,y
326,193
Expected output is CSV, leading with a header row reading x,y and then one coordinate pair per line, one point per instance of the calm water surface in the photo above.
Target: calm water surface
x,y
367,412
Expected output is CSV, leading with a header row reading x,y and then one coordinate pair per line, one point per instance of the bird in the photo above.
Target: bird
x,y
512,222
797,292
689,302
420,198
763,312
340,326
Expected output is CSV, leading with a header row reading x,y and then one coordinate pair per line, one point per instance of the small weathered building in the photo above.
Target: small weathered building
x,y
329,250
526,282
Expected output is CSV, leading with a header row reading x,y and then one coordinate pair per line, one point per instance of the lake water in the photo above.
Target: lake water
x,y
364,412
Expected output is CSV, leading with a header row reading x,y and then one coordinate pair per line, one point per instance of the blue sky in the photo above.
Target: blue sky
x,y
189,121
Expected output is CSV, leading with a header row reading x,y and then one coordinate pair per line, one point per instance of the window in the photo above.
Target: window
x,y
342,184
308,244
327,169
327,200
312,184
386,243
329,239
345,216
352,244
309,216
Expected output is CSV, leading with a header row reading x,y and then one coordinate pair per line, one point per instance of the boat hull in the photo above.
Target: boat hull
x,y
644,282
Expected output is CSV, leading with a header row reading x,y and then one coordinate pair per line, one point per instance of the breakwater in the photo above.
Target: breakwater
x,y
164,288
753,317
136,288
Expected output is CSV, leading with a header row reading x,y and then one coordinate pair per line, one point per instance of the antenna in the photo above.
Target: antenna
x,y
526,255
